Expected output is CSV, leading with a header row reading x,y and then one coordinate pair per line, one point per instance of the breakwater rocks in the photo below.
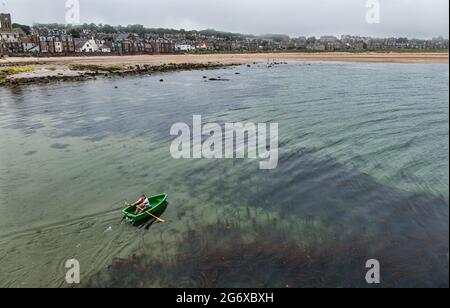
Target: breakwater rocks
x,y
80,72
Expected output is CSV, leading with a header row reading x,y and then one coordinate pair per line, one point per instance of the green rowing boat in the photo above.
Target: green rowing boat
x,y
157,203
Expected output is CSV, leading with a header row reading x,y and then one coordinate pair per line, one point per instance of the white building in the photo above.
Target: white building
x,y
58,46
104,46
184,47
106,49
28,45
87,46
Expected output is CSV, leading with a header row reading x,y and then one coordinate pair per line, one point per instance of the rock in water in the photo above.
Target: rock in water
x,y
218,79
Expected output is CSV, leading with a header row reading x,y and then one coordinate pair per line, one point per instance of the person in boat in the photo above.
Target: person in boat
x,y
141,205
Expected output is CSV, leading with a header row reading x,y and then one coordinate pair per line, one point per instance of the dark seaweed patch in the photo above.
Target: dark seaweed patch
x,y
218,256
59,146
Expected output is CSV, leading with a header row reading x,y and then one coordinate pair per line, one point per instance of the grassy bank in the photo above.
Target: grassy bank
x,y
5,72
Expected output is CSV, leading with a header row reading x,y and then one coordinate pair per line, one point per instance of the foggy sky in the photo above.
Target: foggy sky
x,y
411,18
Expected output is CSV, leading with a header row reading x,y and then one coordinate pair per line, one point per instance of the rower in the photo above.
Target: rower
x,y
141,205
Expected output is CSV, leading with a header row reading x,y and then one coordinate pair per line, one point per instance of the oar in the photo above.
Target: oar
x,y
157,218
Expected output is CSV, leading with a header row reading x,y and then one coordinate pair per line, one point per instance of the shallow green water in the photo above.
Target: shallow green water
x,y
363,174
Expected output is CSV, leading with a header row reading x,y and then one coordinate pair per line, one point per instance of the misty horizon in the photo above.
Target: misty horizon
x,y
421,19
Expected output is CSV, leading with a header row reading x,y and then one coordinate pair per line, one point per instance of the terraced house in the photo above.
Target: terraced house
x,y
129,43
53,41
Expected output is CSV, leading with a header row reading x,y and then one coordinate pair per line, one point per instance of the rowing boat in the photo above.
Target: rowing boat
x,y
157,203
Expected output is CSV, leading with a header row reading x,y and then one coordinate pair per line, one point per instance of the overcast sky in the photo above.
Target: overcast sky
x,y
411,18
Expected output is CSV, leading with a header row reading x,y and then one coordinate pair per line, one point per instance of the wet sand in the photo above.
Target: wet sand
x,y
237,58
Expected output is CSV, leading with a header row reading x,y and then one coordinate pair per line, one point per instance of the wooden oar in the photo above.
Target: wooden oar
x,y
157,218
147,212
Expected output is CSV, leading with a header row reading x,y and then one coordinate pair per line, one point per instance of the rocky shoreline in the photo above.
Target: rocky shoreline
x,y
81,72
19,71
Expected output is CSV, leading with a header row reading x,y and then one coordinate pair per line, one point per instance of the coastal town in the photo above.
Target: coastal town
x,y
91,39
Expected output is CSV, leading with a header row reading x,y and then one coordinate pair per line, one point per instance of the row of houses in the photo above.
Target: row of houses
x,y
324,43
58,41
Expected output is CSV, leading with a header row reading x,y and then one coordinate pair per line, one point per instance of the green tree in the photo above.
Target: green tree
x,y
25,28
108,29
76,33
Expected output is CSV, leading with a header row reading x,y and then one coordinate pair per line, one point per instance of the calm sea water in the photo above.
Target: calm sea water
x,y
363,174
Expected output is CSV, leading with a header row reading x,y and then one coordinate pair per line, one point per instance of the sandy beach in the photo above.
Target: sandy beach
x,y
60,67
237,58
